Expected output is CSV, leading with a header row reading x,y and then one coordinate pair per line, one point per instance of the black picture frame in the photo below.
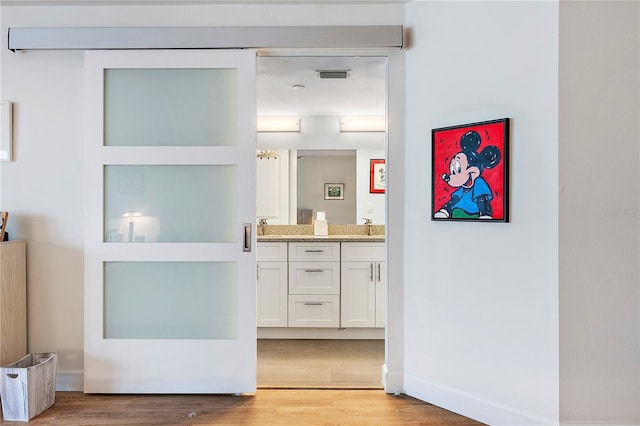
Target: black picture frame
x,y
470,172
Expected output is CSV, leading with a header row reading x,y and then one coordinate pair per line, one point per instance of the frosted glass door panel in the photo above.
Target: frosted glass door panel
x,y
170,300
177,203
170,142
170,107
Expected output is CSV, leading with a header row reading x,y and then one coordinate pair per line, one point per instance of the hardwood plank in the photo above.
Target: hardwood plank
x,y
335,364
266,407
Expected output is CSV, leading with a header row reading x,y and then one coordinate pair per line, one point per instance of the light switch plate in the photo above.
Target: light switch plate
x,y
6,131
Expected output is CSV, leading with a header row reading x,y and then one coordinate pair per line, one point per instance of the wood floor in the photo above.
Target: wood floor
x,y
300,382
266,407
320,364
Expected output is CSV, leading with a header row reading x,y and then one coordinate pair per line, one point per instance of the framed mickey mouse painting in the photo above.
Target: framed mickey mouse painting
x,y
470,172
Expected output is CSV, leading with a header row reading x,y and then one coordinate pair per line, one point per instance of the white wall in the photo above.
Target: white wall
x,y
43,188
481,299
481,335
599,212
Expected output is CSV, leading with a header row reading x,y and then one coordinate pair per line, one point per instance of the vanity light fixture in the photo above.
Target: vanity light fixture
x,y
363,123
278,124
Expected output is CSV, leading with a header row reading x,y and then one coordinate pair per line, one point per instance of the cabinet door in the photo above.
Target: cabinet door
x,y
358,294
381,295
272,294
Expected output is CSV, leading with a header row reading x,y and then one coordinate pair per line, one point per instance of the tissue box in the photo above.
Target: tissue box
x,y
320,227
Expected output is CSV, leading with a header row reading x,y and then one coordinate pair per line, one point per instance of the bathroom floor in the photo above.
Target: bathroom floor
x,y
320,364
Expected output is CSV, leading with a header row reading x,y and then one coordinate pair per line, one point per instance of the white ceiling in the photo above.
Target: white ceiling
x,y
363,93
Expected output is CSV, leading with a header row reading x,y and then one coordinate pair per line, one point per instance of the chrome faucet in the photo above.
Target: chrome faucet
x,y
261,224
369,225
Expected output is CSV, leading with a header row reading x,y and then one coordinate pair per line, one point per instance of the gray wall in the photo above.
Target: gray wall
x,y
599,212
316,170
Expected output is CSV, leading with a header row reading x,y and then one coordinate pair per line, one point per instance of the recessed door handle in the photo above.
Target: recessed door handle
x,y
246,247
314,270
313,303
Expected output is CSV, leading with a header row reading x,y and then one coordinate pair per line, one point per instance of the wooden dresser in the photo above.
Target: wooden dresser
x,y
13,301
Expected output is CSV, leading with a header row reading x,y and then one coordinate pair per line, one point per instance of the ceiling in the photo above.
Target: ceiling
x,y
279,80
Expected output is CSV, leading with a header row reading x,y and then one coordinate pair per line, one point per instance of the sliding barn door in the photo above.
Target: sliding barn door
x,y
170,199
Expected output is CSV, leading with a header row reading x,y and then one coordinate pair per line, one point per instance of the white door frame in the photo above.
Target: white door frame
x,y
393,369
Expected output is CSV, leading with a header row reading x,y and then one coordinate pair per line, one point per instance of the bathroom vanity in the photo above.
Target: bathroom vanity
x,y
321,287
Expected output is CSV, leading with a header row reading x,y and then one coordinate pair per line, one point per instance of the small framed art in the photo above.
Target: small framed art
x,y
377,177
334,191
470,172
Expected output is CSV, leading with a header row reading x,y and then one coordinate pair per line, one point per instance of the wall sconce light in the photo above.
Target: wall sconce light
x,y
364,123
278,124
131,215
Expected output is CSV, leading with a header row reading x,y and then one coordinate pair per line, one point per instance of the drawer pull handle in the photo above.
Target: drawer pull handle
x,y
313,303
313,270
314,251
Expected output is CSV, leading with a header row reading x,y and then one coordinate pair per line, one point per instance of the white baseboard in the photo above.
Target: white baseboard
x,y
391,381
320,333
469,405
576,423
70,380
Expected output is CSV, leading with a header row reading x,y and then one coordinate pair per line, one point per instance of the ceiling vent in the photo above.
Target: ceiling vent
x,y
333,73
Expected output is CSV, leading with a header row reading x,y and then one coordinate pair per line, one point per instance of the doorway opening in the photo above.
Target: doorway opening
x,y
320,93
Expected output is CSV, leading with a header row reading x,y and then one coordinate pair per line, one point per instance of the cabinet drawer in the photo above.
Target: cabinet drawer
x,y
271,252
368,252
314,251
314,310
314,277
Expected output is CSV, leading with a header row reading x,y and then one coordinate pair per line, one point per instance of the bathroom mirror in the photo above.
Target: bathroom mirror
x,y
319,152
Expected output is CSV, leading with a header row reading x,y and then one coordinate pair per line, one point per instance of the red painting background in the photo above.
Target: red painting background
x,y
446,143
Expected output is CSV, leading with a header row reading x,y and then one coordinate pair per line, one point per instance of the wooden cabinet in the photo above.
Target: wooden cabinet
x,y
363,285
13,301
314,285
271,291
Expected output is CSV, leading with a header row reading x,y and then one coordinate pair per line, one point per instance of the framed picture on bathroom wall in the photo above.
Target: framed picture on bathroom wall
x,y
377,176
470,172
334,191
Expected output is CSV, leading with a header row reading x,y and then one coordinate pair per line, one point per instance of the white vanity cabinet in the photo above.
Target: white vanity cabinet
x,y
271,291
363,285
314,284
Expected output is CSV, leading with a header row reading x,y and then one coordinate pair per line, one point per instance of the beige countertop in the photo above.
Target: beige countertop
x,y
318,238
337,233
